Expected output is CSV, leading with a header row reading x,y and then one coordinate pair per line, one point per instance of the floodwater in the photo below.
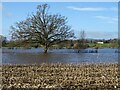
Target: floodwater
x,y
36,56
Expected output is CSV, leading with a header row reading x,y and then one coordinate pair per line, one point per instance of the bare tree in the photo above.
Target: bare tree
x,y
42,27
82,35
82,40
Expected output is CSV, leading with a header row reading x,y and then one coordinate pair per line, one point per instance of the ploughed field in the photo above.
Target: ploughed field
x,y
60,76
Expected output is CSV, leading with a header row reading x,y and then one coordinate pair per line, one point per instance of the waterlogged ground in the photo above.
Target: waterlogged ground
x,y
32,56
61,76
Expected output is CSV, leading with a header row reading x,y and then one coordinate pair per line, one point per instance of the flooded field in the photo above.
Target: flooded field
x,y
32,56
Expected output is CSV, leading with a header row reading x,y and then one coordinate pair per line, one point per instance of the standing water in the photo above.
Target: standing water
x,y
36,56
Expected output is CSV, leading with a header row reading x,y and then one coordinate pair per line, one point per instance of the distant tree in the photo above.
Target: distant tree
x,y
82,40
119,43
3,41
0,41
114,43
43,28
71,43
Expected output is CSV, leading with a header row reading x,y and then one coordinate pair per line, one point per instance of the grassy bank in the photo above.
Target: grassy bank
x,y
105,45
60,76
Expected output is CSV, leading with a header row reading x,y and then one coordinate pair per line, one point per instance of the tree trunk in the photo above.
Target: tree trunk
x,y
45,49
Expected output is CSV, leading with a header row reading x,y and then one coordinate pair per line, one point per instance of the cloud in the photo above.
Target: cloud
x,y
114,8
100,35
5,11
8,14
86,9
108,19
0,7
91,8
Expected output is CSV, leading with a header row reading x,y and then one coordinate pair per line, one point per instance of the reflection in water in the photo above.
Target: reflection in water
x,y
32,56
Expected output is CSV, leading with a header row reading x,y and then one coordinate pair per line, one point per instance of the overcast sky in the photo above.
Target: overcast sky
x,y
99,20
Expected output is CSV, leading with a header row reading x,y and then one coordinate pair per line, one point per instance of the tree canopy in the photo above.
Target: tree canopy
x,y
43,28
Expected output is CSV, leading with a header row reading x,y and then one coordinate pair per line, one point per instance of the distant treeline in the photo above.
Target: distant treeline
x,y
88,43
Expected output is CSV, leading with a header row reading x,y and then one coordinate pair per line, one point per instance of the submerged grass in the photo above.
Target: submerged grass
x,y
60,76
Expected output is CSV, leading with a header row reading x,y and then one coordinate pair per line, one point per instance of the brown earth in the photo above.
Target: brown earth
x,y
60,77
